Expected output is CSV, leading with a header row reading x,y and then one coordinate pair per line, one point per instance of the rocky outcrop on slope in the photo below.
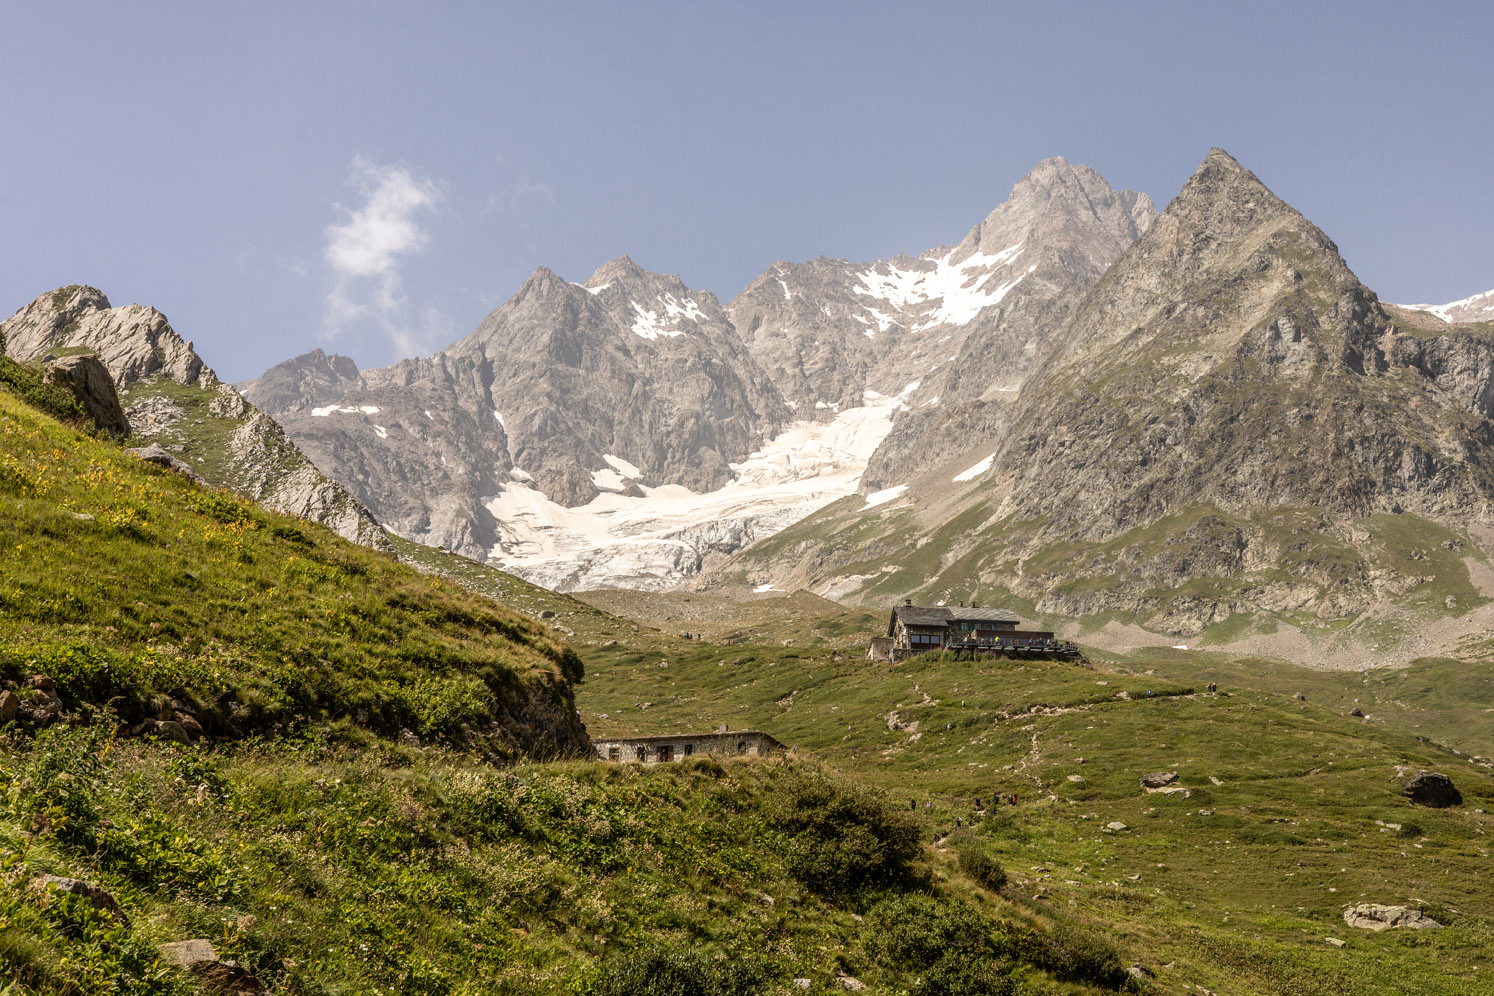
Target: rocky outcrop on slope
x,y
555,391
88,379
171,398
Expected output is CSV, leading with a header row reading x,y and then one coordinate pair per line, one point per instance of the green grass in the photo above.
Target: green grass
x,y
1235,886
328,857
123,579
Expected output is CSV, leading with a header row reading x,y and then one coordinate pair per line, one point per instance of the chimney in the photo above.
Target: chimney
x,y
908,602
962,605
721,728
975,605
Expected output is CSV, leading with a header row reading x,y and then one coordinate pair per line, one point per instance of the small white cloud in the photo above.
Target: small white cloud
x,y
364,251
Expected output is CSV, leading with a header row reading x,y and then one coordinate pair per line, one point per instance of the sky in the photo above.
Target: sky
x,y
372,178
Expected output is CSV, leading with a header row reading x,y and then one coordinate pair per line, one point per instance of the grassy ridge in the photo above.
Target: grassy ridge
x,y
122,579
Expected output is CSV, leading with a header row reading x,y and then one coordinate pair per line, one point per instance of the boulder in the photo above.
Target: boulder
x,y
1159,779
158,455
1429,788
10,706
198,957
1356,712
86,376
1374,916
96,897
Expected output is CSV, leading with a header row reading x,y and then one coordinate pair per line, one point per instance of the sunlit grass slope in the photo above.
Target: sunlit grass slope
x,y
124,579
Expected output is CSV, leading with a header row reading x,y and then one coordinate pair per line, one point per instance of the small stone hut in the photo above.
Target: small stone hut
x,y
677,747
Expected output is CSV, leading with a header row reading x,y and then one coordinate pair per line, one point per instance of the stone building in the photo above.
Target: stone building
x,y
914,629
652,750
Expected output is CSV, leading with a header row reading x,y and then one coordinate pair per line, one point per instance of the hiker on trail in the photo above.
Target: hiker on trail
x,y
912,803
957,822
929,804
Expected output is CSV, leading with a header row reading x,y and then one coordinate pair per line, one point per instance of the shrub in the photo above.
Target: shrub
x,y
916,929
1073,954
673,973
841,837
977,862
959,976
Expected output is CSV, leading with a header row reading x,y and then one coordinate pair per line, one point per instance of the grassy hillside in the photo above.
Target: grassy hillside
x,y
1291,812
325,855
127,584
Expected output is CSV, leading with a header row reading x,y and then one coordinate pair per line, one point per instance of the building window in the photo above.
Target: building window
x,y
923,639
741,746
689,749
666,753
614,753
643,753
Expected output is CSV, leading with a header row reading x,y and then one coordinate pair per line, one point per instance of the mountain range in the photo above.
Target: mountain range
x,y
629,431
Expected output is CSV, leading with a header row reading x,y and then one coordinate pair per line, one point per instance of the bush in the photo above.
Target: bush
x,y
977,862
959,976
672,973
918,930
841,837
1073,954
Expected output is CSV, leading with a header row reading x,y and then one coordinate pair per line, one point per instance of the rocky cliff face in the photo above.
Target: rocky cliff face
x,y
568,390
1227,422
171,397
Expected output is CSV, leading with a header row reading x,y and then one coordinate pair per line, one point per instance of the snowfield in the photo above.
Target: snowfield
x,y
656,541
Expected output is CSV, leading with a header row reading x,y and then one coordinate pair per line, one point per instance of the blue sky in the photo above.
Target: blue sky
x,y
373,177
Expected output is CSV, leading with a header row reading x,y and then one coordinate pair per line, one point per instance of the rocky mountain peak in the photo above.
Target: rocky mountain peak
x,y
133,342
304,381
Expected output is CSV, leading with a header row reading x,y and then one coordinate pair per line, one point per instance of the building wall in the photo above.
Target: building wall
x,y
626,750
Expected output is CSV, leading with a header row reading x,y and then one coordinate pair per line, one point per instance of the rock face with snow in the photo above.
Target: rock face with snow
x,y
566,394
1227,422
1470,310
828,329
171,398
965,322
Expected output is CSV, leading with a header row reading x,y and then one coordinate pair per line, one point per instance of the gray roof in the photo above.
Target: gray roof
x,y
943,615
972,614
916,615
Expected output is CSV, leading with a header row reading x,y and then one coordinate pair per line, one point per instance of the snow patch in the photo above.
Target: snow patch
x,y
381,432
941,291
649,324
622,466
656,540
609,480
884,496
499,416
975,471
764,587
1478,308
343,410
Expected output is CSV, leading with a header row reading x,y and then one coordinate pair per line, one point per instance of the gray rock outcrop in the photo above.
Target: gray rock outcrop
x,y
89,380
1377,917
92,894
